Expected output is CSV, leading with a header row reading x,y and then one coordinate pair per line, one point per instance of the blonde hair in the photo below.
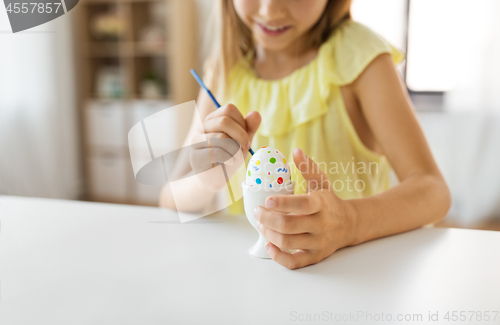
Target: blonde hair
x,y
234,39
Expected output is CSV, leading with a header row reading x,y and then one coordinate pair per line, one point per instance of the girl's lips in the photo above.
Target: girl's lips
x,y
270,32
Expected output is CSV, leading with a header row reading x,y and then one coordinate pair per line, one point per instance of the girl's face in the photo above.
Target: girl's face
x,y
278,24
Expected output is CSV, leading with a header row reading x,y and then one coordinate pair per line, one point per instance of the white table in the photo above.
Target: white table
x,y
67,262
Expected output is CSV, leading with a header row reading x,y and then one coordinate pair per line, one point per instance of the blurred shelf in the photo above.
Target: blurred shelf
x,y
125,49
128,100
104,49
149,100
134,98
124,66
144,49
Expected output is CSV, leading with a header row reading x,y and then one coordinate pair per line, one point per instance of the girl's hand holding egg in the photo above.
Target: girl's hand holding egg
x,y
316,224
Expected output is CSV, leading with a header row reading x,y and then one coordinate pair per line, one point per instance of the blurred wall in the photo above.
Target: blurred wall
x,y
39,150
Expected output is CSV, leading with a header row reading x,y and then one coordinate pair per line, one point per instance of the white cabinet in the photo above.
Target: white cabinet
x,y
144,108
106,123
110,175
107,178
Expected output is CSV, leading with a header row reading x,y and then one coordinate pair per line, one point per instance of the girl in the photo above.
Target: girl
x,y
306,79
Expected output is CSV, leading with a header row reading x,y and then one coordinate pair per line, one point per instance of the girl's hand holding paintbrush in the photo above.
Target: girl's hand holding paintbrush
x,y
219,126
225,128
226,122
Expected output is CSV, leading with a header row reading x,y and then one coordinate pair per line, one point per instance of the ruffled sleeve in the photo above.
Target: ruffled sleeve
x,y
350,50
302,96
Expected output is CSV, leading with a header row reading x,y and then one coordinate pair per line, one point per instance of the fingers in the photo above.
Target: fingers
x,y
293,261
230,111
315,178
228,126
299,204
206,158
222,137
285,241
216,140
228,120
285,223
228,144
217,135
252,120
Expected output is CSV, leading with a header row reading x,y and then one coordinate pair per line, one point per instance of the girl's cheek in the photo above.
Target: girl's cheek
x,y
306,12
245,9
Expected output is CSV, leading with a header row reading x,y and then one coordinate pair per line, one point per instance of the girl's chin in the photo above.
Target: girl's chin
x,y
277,43
274,45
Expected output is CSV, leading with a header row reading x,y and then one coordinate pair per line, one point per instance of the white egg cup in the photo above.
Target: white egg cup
x,y
257,195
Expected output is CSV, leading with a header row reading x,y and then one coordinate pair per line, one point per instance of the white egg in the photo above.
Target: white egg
x,y
267,168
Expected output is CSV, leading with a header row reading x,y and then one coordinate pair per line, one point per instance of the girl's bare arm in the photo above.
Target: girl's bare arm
x,y
422,197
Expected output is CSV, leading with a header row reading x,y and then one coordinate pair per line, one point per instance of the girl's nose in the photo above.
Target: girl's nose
x,y
272,9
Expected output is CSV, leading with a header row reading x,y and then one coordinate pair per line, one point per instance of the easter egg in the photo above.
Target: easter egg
x,y
268,168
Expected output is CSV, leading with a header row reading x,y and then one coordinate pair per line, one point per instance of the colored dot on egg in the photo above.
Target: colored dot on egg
x,y
249,173
284,160
268,173
280,180
272,160
261,173
258,181
276,151
269,152
257,162
270,185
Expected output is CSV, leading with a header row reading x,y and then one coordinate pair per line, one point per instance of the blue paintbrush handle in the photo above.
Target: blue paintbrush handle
x,y
202,85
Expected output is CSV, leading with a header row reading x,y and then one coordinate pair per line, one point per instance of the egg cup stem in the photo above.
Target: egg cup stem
x,y
256,196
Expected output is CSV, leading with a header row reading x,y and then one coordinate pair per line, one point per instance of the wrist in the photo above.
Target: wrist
x,y
353,217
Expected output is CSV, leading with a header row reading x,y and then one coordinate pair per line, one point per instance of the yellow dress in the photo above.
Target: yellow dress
x,y
306,110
